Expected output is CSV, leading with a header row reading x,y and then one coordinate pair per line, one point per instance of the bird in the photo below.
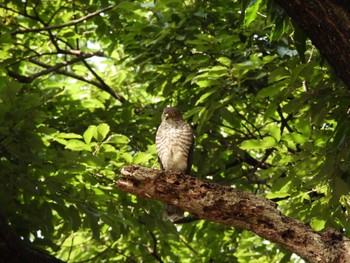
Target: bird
x,y
174,144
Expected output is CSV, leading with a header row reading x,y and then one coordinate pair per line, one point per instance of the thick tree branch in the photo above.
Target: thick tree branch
x,y
327,23
235,208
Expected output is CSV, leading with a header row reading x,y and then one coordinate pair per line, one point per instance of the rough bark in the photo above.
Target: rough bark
x,y
235,208
327,23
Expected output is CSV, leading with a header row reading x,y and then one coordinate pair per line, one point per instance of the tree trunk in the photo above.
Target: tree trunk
x,y
327,23
235,208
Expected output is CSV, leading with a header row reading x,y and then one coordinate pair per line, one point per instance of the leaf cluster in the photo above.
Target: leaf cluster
x,y
82,87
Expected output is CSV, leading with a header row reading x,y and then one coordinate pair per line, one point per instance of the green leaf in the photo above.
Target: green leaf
x,y
300,41
225,61
296,73
275,132
206,83
142,157
8,89
294,105
127,157
271,91
340,187
251,12
102,131
294,137
271,111
77,145
278,74
95,228
318,224
274,195
61,141
89,133
303,126
68,135
265,143
216,62
342,132
118,139
281,187
205,96
164,3
75,217
129,6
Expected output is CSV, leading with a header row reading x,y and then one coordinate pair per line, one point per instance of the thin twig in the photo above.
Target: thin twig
x,y
105,87
154,252
71,23
58,66
102,82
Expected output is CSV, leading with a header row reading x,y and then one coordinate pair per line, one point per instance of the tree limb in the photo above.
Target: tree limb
x,y
70,23
49,69
235,208
56,69
102,86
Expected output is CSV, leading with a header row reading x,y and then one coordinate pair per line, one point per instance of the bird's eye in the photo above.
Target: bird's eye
x,y
173,114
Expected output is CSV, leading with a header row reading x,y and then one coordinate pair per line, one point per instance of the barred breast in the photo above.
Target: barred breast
x,y
173,145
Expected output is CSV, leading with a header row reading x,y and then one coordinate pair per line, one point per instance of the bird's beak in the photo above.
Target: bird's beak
x,y
166,116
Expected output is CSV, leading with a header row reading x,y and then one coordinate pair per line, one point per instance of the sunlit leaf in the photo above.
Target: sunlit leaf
x,y
278,74
265,143
127,157
68,135
89,133
82,88
77,145
275,131
205,96
318,224
225,61
294,137
118,139
251,12
142,157
102,131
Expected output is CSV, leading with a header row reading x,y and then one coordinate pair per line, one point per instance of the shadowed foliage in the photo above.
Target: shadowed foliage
x,y
82,88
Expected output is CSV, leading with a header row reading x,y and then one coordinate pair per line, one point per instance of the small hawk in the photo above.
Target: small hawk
x,y
174,143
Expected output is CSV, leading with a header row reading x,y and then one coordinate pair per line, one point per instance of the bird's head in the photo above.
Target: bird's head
x,y
171,115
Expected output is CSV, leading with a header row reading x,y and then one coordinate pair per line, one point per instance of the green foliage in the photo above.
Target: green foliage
x,y
81,98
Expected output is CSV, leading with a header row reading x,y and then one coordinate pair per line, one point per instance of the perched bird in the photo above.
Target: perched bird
x,y
174,143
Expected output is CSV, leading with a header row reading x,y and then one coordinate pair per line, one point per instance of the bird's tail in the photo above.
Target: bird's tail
x,y
172,213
